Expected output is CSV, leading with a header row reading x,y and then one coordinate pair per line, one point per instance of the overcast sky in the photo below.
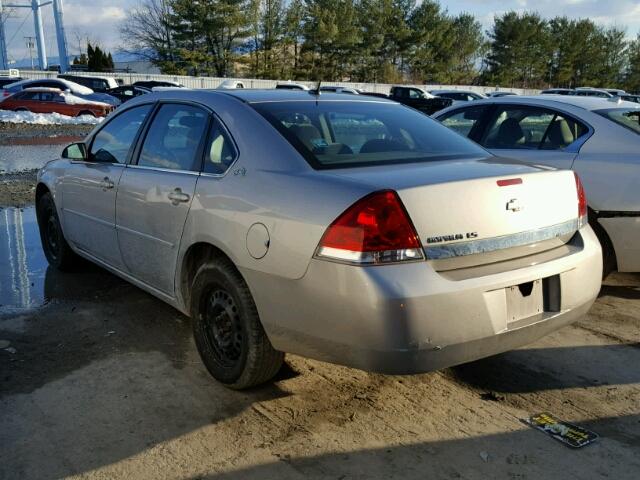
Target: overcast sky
x,y
99,19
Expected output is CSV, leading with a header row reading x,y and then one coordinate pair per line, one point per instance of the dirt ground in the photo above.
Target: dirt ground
x,y
103,381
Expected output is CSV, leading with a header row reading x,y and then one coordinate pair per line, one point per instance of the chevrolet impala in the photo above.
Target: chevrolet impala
x,y
348,229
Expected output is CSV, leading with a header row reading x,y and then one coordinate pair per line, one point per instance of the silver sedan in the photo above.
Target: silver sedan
x,y
343,228
598,138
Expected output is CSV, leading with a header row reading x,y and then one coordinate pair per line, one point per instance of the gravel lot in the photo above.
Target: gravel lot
x,y
99,380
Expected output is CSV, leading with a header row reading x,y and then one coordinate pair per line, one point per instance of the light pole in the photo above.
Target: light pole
x,y
30,41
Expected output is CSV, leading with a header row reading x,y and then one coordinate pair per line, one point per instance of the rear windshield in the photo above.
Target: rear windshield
x,y
629,118
341,134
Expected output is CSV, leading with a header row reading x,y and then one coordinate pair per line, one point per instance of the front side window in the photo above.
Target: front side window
x,y
114,141
628,118
530,128
174,138
463,121
332,134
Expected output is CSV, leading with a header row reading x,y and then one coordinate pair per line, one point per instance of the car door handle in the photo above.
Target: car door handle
x,y
178,196
106,183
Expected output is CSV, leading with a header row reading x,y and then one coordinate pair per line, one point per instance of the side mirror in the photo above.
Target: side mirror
x,y
76,151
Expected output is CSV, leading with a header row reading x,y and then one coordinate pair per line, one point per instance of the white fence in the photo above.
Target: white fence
x,y
214,82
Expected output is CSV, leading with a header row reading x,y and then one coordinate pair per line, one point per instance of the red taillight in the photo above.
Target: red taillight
x,y
375,229
582,198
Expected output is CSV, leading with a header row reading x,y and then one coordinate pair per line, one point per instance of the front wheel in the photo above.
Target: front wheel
x,y
56,248
227,329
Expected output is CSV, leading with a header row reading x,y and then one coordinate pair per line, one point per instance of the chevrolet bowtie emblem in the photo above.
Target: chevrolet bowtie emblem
x,y
514,205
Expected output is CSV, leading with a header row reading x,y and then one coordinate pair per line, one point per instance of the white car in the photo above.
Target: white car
x,y
231,84
61,84
598,138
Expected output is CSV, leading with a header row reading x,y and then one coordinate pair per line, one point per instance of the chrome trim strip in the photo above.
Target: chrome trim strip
x,y
168,170
499,243
145,235
88,217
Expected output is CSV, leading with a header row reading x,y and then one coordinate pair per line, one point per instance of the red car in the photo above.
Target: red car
x,y
53,100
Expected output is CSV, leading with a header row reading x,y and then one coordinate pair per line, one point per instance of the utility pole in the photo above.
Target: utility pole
x,y
30,42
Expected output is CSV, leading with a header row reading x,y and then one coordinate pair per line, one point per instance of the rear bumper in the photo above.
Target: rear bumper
x,y
408,318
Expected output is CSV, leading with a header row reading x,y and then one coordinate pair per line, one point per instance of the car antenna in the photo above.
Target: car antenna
x,y
317,92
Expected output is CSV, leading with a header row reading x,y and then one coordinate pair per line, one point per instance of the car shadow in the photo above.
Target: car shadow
x,y
521,454
538,369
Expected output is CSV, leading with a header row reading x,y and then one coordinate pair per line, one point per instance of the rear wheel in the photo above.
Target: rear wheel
x,y
56,248
21,109
227,328
86,112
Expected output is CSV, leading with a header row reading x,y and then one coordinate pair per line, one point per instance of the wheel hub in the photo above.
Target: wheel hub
x,y
223,327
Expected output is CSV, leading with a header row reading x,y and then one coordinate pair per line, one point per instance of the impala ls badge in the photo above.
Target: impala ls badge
x,y
514,205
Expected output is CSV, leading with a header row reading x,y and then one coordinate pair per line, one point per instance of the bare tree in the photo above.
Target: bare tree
x,y
147,33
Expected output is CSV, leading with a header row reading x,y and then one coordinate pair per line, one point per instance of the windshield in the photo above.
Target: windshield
x,y
334,134
628,118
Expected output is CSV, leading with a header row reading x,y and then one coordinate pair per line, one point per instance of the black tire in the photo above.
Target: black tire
x,y
609,260
86,112
20,109
56,249
227,328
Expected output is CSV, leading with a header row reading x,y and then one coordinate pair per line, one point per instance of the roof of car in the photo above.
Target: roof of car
x,y
42,89
587,103
453,91
274,95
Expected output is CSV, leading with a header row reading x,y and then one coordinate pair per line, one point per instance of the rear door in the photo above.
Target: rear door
x,y
155,193
89,187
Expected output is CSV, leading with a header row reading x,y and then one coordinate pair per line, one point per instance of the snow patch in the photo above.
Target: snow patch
x,y
46,118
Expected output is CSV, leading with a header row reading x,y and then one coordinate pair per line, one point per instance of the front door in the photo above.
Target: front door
x,y
154,195
89,187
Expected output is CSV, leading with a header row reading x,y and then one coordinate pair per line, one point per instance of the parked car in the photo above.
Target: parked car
x,y
151,84
591,92
230,84
616,92
4,80
348,230
53,100
127,92
598,138
337,89
291,86
419,99
98,84
557,91
458,95
500,94
630,98
64,85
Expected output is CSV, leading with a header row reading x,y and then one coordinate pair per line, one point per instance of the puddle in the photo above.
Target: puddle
x,y
16,158
22,263
27,281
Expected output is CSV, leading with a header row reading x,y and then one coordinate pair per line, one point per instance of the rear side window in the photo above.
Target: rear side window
x,y
530,128
622,116
174,138
463,121
331,134
114,141
219,152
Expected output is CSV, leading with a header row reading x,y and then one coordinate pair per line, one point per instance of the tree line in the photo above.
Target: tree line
x,y
386,41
